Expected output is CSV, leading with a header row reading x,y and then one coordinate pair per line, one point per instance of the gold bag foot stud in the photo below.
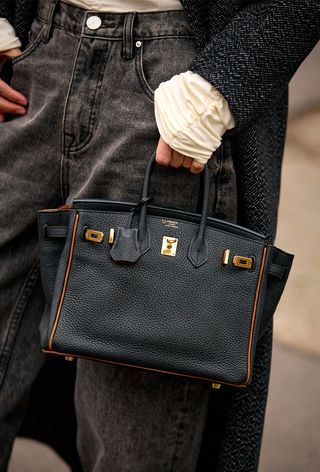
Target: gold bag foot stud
x,y
69,358
216,386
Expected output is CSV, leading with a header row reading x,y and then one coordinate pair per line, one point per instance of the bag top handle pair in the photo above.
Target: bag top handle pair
x,y
198,248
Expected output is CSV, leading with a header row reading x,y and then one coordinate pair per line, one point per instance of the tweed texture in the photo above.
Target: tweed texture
x,y
20,14
249,51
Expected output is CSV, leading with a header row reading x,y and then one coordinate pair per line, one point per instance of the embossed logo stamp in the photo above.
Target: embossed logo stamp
x,y
170,223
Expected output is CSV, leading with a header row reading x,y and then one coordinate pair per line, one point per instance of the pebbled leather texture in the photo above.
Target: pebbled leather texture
x,y
53,259
50,248
161,312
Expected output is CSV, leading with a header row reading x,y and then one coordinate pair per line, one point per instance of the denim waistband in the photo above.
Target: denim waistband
x,y
141,24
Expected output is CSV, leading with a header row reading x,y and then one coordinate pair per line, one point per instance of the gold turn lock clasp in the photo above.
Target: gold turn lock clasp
x,y
243,262
69,358
169,246
93,235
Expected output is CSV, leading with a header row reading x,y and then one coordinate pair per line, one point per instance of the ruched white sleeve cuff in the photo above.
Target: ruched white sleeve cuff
x,y
8,38
191,115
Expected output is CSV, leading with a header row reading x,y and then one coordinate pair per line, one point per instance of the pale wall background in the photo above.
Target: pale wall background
x,y
292,429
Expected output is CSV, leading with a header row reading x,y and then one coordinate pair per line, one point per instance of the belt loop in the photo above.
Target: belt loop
x,y
127,35
46,35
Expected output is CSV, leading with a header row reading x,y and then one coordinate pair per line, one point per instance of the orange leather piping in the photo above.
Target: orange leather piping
x,y
254,312
74,230
140,367
60,208
50,351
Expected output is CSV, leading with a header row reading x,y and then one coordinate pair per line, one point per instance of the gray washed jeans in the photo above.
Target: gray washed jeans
x,y
88,132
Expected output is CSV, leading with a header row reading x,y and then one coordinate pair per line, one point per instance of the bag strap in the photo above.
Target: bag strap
x,y
56,231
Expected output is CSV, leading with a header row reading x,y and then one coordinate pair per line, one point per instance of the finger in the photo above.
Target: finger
x,y
2,117
8,107
15,52
163,153
177,159
196,167
10,94
187,161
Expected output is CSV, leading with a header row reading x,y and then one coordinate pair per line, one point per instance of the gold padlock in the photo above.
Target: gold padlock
x,y
169,246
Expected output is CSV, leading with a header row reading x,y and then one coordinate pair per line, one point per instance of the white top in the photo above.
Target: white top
x,y
8,39
127,5
191,114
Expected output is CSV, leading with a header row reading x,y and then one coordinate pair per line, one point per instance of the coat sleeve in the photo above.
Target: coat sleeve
x,y
252,60
5,10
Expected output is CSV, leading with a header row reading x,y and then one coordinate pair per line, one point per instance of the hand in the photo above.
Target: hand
x,y
167,156
12,102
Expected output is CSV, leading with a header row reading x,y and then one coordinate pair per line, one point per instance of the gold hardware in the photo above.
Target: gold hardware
x,y
243,262
226,256
95,236
215,386
111,235
69,358
169,246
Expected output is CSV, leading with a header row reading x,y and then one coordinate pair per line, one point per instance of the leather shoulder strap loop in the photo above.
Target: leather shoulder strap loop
x,y
278,271
56,231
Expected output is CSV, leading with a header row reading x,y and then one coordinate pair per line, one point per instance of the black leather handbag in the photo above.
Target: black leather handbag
x,y
157,288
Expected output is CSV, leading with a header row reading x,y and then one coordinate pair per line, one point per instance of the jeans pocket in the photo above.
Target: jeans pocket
x,y
35,39
159,59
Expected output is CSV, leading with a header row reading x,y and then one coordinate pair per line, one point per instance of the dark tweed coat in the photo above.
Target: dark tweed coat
x,y
249,50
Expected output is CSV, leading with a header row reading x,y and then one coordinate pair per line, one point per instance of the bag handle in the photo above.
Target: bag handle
x,y
131,243
197,251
